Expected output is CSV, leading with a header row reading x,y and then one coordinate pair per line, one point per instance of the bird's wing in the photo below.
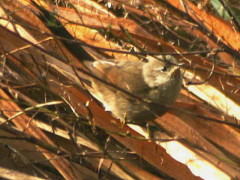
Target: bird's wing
x,y
123,74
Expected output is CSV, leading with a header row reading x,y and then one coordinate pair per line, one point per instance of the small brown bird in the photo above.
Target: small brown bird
x,y
155,82
151,86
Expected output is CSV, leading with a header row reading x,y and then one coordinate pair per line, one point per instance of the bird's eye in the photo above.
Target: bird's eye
x,y
164,69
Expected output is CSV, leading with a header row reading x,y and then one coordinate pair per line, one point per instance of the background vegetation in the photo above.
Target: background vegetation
x,y
51,128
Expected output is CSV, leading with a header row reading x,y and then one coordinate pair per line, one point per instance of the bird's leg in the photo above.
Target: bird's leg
x,y
151,129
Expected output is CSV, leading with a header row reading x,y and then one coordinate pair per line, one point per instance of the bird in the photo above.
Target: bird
x,y
135,92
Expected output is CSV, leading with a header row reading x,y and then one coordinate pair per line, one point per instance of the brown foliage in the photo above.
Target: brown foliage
x,y
67,134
